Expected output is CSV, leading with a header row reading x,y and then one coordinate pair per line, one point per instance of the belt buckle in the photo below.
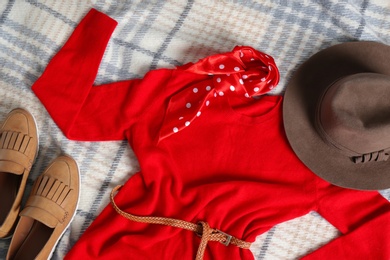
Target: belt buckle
x,y
228,237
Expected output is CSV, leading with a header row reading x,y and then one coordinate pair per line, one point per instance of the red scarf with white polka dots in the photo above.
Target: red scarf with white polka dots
x,y
244,71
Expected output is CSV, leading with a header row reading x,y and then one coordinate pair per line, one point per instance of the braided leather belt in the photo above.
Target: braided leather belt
x,y
202,229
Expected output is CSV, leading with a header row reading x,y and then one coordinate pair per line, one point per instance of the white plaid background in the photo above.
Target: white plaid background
x,y
155,34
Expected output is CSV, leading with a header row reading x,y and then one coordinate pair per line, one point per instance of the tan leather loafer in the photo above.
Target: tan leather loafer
x,y
18,149
48,212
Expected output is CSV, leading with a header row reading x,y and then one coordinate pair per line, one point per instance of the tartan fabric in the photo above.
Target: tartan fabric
x,y
156,34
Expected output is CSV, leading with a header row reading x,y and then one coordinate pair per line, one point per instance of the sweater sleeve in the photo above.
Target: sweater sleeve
x,y
83,111
362,217
65,87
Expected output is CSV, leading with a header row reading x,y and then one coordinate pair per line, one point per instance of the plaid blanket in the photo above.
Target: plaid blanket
x,y
155,34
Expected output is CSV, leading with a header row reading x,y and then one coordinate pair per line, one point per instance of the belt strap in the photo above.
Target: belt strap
x,y
202,229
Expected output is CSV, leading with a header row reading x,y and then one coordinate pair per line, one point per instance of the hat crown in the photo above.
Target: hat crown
x,y
354,113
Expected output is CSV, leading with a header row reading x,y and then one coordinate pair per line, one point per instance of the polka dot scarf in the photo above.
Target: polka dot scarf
x,y
244,71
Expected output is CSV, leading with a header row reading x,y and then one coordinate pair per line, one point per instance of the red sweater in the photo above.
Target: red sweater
x,y
231,167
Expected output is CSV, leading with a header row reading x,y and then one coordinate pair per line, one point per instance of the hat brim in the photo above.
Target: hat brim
x,y
299,108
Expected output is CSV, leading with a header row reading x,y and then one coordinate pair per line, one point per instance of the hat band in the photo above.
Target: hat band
x,y
381,155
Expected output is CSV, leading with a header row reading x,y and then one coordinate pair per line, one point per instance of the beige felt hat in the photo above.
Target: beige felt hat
x,y
336,113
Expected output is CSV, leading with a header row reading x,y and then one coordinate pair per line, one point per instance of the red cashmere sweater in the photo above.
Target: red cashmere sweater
x,y
232,167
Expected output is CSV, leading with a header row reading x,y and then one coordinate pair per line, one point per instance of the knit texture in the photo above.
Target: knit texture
x,y
167,34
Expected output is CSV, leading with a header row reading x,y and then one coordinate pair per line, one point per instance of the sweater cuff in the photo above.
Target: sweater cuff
x,y
100,21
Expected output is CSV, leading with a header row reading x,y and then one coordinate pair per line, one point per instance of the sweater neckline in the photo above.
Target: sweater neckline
x,y
266,106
